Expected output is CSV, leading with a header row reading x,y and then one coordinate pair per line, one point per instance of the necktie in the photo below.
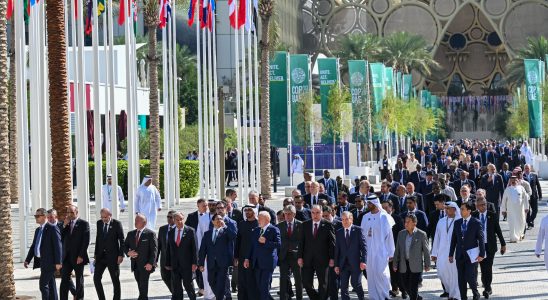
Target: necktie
x,y
178,241
137,237
483,221
262,232
347,238
313,200
214,235
464,228
37,244
402,202
105,230
441,214
289,229
315,230
71,226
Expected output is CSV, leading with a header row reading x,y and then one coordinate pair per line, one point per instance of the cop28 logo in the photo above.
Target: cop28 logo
x,y
356,78
532,77
298,75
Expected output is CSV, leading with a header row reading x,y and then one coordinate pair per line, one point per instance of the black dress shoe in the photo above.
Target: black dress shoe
x,y
404,295
444,295
393,293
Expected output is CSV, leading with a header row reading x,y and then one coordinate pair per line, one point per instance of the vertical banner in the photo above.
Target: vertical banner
x,y
377,81
328,69
399,89
406,86
389,80
279,85
357,72
533,83
299,70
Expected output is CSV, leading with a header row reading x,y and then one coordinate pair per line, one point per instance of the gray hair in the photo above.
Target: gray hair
x,y
107,211
290,208
141,216
347,214
178,213
253,192
264,214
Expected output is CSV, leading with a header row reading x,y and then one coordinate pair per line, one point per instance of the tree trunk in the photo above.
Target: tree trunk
x,y
265,107
154,129
14,172
7,282
61,187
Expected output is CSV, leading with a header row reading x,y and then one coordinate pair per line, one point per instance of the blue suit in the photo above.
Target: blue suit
x,y
422,219
348,256
264,257
219,254
331,188
460,243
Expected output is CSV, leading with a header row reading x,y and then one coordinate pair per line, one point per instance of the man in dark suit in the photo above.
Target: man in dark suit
x,y
217,247
358,211
422,220
475,174
45,250
192,221
400,174
163,238
235,215
425,186
364,190
411,256
317,253
247,289
457,184
343,205
109,252
330,184
182,258
505,173
395,280
491,230
315,196
303,185
416,177
253,199
302,213
263,254
535,196
141,245
75,237
429,198
435,216
386,194
467,235
410,189
350,256
493,185
291,235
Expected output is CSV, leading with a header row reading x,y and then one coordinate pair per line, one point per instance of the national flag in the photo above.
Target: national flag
x,y
165,13
100,7
32,2
88,26
122,12
191,11
9,12
75,8
251,16
232,13
207,7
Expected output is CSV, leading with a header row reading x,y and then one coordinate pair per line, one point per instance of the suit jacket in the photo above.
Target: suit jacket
x,y
419,252
398,226
350,253
301,188
331,188
472,239
265,256
535,185
358,215
422,220
415,178
192,220
308,199
163,248
303,215
147,248
317,251
493,231
494,189
429,202
433,219
236,215
401,175
290,244
389,196
424,188
243,239
505,176
185,255
50,248
457,184
76,244
219,252
352,197
109,247
233,226
340,209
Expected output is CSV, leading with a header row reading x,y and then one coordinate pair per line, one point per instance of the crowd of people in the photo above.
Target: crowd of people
x,y
440,208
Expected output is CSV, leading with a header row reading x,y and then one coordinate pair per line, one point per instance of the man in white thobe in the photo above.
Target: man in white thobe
x,y
377,229
107,193
515,206
297,165
148,201
203,226
542,238
447,271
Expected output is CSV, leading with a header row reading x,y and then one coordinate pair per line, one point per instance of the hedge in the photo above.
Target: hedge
x,y
188,174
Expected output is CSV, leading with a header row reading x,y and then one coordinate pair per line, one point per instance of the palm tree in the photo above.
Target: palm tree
x,y
266,9
7,282
14,172
536,48
406,52
58,107
358,46
150,12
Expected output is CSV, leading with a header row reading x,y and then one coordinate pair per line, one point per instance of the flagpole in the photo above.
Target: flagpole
x,y
34,117
175,117
133,73
165,96
71,146
211,94
170,44
257,117
371,143
106,135
218,150
245,123
250,125
112,115
44,109
205,108
238,106
130,138
200,121
97,149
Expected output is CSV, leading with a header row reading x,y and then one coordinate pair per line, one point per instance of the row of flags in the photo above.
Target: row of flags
x,y
476,103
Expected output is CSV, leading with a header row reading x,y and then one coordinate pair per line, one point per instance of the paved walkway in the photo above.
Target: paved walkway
x,y
517,275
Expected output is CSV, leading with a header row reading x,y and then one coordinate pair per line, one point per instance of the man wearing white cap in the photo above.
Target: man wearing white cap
x,y
148,201
377,229
447,271
108,193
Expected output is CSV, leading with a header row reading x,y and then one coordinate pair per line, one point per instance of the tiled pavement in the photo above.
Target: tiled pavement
x,y
517,275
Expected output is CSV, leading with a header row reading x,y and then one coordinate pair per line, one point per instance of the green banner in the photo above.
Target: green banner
x,y
301,115
533,83
389,81
328,69
357,73
407,86
279,87
377,82
399,88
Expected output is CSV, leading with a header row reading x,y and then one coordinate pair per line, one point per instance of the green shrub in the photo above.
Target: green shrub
x,y
188,174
